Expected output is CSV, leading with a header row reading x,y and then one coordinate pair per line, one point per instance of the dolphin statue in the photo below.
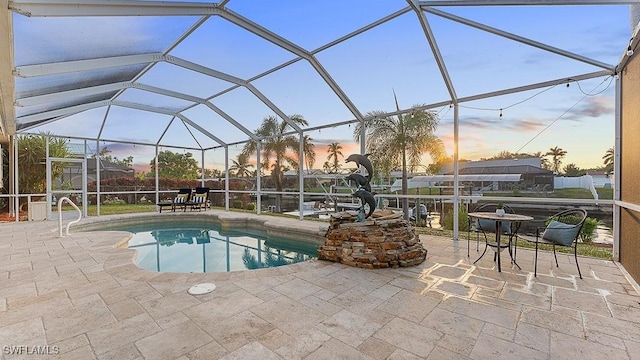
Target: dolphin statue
x,y
362,160
366,198
360,180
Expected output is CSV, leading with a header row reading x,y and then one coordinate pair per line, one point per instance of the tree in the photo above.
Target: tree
x,y
32,153
241,166
334,151
573,170
104,155
309,152
277,148
175,165
608,160
401,139
544,162
210,173
557,154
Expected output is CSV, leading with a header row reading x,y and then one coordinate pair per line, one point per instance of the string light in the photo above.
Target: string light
x,y
629,51
500,114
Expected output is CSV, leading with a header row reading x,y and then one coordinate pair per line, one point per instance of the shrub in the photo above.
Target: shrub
x,y
588,231
251,206
237,204
463,223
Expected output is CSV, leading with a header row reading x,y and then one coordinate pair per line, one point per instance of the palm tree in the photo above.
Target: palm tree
x,y
277,147
608,160
309,152
241,167
556,154
544,162
402,139
334,152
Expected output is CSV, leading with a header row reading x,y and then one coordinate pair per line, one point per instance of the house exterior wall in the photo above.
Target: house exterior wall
x,y
630,168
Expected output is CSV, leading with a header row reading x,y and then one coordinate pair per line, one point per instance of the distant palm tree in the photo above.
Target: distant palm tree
x,y
334,152
309,152
241,167
401,139
608,160
557,154
544,162
276,149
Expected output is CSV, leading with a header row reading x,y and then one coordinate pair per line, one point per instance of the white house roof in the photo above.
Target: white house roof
x,y
427,181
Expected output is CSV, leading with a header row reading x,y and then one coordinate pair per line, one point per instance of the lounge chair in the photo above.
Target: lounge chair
x,y
199,200
180,201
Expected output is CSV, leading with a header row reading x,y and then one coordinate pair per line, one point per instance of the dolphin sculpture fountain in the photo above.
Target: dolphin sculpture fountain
x,y
362,160
366,198
360,180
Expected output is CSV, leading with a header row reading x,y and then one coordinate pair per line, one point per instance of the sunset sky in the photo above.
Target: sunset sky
x,y
394,57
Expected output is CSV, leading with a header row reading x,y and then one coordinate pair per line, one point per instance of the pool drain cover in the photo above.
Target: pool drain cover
x,y
201,289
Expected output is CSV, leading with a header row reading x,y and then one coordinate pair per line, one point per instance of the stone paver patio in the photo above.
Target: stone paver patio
x,y
85,299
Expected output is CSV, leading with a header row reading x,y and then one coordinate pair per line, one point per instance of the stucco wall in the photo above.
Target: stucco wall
x,y
630,167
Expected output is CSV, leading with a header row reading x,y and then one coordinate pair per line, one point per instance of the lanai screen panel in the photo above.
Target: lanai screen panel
x,y
81,53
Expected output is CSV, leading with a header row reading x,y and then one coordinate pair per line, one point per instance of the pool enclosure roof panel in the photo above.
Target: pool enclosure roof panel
x,y
228,65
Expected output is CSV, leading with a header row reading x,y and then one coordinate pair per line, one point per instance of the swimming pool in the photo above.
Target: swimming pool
x,y
195,247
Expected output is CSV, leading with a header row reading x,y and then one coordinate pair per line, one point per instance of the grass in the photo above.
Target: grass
x,y
114,209
590,250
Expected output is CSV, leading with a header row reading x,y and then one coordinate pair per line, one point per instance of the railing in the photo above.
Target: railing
x,y
60,201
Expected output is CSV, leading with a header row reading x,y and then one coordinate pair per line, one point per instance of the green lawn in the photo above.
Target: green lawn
x,y
113,209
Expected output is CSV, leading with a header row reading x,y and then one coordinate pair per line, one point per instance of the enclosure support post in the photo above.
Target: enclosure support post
x,y
456,195
12,178
226,177
98,177
616,170
301,177
155,161
258,179
48,180
84,181
16,182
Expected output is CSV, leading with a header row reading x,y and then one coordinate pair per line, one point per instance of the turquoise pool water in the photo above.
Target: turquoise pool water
x,y
197,247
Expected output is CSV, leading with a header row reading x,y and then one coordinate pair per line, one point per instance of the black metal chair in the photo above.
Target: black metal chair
x,y
480,226
562,229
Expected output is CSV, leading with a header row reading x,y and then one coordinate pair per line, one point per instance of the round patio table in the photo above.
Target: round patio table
x,y
498,219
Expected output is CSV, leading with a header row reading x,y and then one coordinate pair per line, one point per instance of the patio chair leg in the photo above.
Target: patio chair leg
x,y
555,256
575,255
485,250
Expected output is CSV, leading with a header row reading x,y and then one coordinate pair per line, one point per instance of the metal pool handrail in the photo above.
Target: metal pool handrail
x,y
60,201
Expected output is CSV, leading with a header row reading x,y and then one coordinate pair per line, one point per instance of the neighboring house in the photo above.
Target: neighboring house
x,y
532,176
73,174
601,178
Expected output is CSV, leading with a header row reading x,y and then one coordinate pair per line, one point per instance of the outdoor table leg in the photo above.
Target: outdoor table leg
x,y
498,229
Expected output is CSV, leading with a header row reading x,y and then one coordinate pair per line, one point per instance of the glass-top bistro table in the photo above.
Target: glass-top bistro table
x,y
498,219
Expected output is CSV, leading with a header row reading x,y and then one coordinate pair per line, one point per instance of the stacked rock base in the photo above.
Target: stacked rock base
x,y
384,240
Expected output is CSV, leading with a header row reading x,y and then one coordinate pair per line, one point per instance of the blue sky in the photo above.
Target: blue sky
x,y
369,68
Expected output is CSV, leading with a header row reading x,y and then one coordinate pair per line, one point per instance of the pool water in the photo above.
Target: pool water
x,y
196,248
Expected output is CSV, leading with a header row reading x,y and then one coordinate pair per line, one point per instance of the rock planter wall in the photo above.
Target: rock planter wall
x,y
382,241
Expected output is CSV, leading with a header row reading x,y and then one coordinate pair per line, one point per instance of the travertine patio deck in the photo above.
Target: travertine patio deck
x,y
86,299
